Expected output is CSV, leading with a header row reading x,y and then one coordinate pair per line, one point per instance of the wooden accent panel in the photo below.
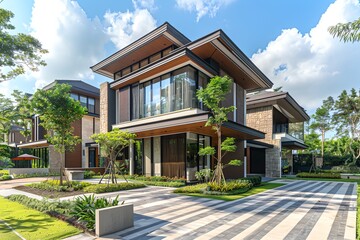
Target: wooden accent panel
x,y
124,104
233,172
74,159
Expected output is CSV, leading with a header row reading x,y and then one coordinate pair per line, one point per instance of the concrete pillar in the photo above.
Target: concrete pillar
x,y
157,156
131,158
147,156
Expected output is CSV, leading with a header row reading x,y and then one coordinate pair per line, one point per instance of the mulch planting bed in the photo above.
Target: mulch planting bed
x,y
49,194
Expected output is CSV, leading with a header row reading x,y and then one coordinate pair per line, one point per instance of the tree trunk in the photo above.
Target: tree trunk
x,y
61,169
219,163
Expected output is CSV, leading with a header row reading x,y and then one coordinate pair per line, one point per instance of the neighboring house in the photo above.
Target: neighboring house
x,y
153,94
86,154
282,119
15,137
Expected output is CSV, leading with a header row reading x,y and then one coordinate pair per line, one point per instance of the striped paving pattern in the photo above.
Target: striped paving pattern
x,y
298,210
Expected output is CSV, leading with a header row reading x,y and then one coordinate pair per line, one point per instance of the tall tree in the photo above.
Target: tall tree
x,y
212,96
347,119
347,32
19,51
322,120
58,111
312,141
6,117
23,111
111,145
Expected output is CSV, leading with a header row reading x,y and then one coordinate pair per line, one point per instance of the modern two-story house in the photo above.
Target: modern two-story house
x,y
282,119
152,93
86,154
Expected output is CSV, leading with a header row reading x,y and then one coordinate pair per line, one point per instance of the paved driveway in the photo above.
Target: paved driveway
x,y
298,210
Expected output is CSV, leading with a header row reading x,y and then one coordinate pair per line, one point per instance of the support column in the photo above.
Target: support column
x,y
147,156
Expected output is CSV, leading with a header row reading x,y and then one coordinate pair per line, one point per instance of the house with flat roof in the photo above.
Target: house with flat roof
x,y
86,154
282,119
152,93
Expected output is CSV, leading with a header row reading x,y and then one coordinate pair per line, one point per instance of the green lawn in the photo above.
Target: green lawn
x,y
31,224
255,190
6,233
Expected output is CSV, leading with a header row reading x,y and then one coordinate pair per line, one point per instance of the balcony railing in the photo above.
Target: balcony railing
x,y
295,130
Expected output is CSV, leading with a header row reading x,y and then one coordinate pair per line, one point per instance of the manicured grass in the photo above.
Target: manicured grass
x,y
32,224
262,188
6,233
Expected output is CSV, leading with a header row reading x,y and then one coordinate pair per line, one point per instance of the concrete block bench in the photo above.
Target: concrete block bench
x,y
75,174
113,219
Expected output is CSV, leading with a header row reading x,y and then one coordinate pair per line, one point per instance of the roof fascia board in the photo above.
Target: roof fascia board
x,y
165,28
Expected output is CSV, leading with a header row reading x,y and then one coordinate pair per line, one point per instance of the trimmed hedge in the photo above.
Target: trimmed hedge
x,y
155,178
62,207
5,177
54,185
255,180
198,188
163,184
102,188
229,186
319,175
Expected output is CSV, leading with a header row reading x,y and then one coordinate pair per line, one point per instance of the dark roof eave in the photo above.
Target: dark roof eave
x,y
294,144
244,129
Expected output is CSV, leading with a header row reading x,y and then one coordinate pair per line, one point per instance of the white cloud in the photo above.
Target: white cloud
x,y
313,66
146,4
74,41
126,27
202,7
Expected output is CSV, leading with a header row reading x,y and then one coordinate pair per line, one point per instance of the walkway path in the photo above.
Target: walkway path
x,y
299,210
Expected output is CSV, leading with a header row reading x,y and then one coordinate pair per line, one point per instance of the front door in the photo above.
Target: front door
x,y
92,157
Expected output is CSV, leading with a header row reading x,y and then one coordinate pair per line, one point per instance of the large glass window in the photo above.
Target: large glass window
x,y
91,105
155,107
83,101
165,93
74,96
147,99
170,92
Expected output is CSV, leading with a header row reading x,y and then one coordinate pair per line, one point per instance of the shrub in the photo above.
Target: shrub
x,y
198,188
63,207
5,177
164,184
54,185
30,175
319,175
102,188
345,169
255,180
84,208
155,178
89,174
4,172
229,186
6,162
204,175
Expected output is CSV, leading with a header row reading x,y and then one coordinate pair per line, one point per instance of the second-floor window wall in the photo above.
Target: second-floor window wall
x,y
85,101
170,92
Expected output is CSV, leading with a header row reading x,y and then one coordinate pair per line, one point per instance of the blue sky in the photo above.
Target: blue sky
x,y
287,40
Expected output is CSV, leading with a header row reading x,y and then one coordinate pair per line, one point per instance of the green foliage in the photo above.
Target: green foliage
x,y
4,172
6,162
111,144
54,185
102,188
58,111
7,118
23,111
155,178
347,32
198,188
207,151
235,162
85,207
255,180
164,184
232,187
89,174
347,119
318,175
30,175
212,96
204,175
62,207
345,169
5,177
19,51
